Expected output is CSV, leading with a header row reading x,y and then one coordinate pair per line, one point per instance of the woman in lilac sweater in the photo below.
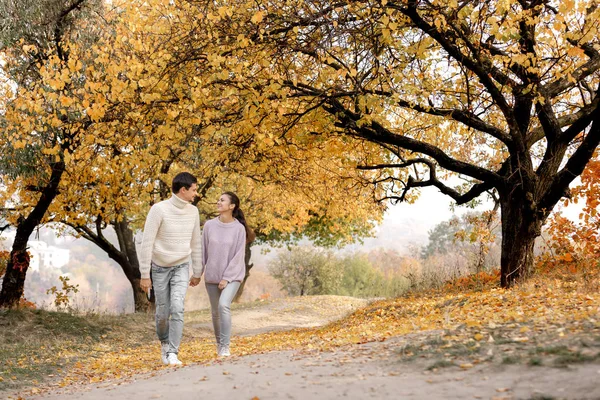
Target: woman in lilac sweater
x,y
223,251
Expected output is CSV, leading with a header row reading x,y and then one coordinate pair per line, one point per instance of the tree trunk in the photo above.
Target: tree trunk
x,y
520,228
131,266
140,299
16,270
249,266
125,256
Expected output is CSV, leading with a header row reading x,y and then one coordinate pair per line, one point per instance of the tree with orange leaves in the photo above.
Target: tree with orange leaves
x,y
504,93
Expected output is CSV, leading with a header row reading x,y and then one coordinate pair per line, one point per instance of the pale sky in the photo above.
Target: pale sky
x,y
406,224
434,207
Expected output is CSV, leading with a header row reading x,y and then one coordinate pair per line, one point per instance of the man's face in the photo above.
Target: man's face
x,y
189,194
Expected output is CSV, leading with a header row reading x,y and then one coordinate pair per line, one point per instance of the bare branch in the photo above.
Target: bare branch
x,y
375,132
467,118
574,166
453,50
566,82
538,133
403,165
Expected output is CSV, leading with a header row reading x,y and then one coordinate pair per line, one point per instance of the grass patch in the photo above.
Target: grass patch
x,y
564,355
509,360
560,350
441,364
36,345
409,352
536,362
503,340
462,349
435,342
591,342
574,358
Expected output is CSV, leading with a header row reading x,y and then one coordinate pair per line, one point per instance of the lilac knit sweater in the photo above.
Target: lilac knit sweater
x,y
223,251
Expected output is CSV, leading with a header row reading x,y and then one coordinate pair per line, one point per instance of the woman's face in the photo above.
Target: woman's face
x,y
224,204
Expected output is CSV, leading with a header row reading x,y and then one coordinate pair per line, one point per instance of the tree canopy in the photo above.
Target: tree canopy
x,y
503,93
127,99
318,113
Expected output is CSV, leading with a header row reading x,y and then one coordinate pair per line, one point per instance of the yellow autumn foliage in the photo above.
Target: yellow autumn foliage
x,y
142,103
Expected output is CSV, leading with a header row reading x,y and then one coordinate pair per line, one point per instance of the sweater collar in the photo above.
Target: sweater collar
x,y
177,202
227,224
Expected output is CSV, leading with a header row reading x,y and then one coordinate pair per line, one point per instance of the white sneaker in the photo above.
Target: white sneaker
x,y
164,347
172,359
224,351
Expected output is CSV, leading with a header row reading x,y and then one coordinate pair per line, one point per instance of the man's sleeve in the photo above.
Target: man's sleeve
x,y
153,221
197,264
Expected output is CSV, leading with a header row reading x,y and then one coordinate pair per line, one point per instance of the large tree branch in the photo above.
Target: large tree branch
x,y
566,82
408,163
432,181
100,240
60,27
556,149
467,118
538,133
580,124
527,43
454,51
548,119
574,167
376,133
461,198
473,193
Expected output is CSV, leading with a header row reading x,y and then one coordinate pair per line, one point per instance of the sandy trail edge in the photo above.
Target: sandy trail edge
x,y
363,371
371,370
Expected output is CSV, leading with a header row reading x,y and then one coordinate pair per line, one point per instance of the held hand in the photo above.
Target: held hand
x,y
223,284
194,281
145,284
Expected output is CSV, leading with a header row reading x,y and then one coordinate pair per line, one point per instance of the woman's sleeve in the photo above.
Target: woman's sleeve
x,y
236,269
205,244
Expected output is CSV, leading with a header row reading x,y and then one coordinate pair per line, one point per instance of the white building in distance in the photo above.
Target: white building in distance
x,y
45,256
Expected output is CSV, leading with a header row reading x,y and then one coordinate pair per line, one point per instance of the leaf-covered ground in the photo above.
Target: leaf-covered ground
x,y
546,322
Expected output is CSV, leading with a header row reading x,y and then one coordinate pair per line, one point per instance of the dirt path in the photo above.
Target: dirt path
x,y
405,367
364,371
283,314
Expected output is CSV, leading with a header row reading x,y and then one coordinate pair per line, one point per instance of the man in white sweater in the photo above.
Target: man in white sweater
x,y
171,235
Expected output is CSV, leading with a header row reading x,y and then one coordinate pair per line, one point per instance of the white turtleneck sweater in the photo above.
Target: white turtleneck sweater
x,y
171,234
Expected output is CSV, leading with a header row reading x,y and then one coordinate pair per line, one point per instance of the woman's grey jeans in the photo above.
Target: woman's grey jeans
x,y
170,285
220,305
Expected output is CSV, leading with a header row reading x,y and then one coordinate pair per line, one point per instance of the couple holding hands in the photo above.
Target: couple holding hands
x,y
171,235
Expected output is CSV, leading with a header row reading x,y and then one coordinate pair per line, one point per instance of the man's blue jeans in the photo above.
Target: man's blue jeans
x,y
170,285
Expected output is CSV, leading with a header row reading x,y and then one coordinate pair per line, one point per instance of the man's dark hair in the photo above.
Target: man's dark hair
x,y
183,180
